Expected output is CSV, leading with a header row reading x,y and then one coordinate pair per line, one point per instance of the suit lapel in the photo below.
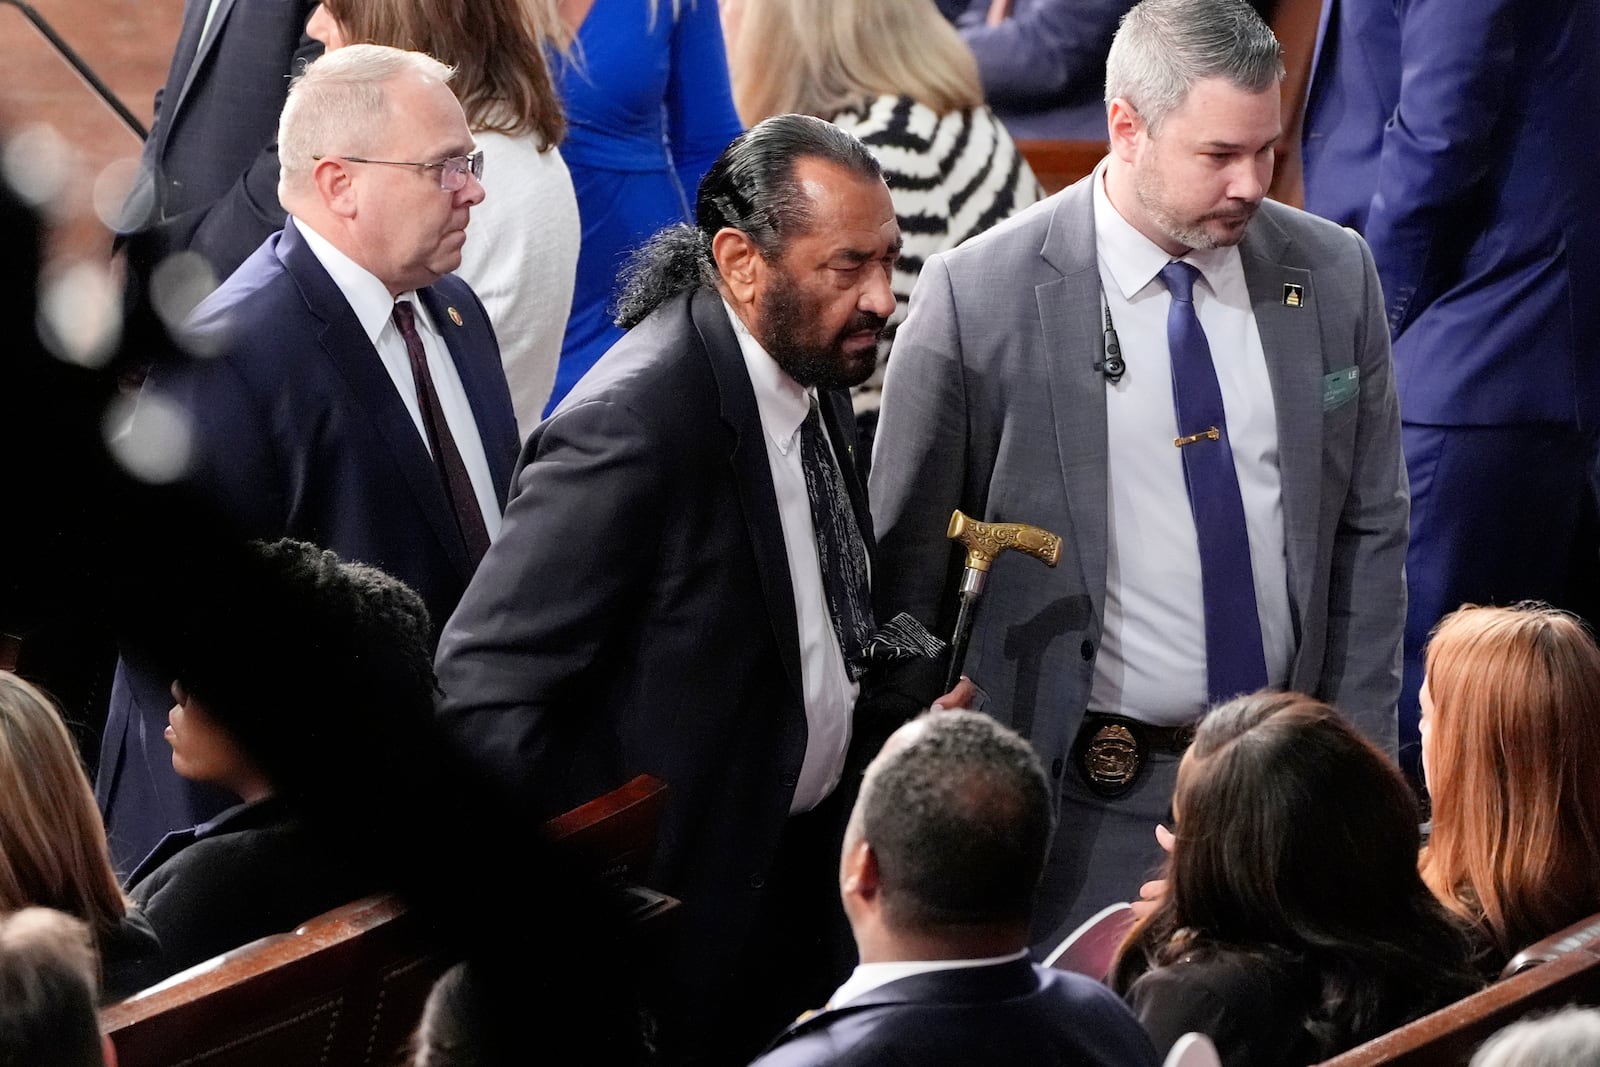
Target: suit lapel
x,y
753,474
174,842
1291,341
205,45
373,392
187,52
477,378
1069,319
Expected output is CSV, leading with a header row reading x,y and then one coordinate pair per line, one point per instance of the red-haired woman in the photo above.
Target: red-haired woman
x,y
1511,753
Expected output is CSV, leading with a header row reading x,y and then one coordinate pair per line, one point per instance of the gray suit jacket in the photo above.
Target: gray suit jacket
x,y
993,404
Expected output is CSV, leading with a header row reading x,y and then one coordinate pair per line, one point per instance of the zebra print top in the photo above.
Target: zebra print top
x,y
951,176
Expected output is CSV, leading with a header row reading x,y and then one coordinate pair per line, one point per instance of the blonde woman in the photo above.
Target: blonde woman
x,y
897,75
53,850
1511,754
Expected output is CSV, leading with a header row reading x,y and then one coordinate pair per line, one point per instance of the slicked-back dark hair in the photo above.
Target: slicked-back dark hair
x,y
959,819
751,187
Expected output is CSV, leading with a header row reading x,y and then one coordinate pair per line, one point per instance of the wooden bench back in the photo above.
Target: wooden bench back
x,y
346,988
1579,936
1057,164
1565,969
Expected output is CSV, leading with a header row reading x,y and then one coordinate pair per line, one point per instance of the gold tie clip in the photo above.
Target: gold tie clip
x,y
1213,434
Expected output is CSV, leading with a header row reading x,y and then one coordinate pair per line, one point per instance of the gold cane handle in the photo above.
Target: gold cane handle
x,y
986,540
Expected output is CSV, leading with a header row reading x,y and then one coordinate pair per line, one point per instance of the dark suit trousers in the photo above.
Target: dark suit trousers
x,y
1103,849
801,949
1498,514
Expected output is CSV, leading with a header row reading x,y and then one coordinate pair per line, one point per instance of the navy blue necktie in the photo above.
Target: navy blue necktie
x,y
1234,660
841,551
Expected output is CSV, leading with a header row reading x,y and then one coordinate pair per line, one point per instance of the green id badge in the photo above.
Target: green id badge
x,y
1340,387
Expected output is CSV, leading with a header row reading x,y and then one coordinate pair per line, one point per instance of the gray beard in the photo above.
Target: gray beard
x,y
1195,237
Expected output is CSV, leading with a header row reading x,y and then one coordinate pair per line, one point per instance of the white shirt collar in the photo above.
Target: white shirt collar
x,y
782,402
869,976
1133,259
367,296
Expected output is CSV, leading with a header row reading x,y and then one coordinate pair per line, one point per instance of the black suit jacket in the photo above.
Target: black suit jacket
x,y
208,178
298,431
636,615
1016,1013
250,872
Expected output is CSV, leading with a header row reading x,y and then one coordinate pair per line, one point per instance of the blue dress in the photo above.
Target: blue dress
x,y
649,110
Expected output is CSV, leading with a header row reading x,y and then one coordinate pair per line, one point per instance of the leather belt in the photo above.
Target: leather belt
x,y
1112,749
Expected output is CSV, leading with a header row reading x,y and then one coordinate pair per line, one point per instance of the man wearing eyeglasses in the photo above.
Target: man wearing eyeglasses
x,y
356,399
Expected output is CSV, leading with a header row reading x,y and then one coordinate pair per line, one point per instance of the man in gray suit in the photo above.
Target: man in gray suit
x,y
1192,386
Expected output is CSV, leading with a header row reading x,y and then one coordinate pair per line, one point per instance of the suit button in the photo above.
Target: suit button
x,y
1056,768
790,780
756,881
1086,650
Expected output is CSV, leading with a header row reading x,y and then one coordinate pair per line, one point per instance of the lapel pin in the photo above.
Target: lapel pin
x,y
455,316
1293,295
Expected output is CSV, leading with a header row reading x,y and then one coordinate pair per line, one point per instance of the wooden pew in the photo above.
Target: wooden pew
x,y
1057,164
346,988
1584,935
617,832
1562,969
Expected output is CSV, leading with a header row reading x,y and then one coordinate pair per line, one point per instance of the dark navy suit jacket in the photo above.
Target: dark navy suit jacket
x,y
635,615
300,432
209,175
1044,67
1459,138
1017,1014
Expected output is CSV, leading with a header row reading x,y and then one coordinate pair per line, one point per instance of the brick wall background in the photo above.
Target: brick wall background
x,y
129,44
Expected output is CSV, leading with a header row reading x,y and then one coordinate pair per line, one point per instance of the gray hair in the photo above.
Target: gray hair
x,y
1569,1036
338,105
1164,47
48,980
959,816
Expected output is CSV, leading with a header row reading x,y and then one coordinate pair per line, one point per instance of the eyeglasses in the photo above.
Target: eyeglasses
x,y
452,171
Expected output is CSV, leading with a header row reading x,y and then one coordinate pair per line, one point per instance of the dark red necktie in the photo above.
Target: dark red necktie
x,y
446,456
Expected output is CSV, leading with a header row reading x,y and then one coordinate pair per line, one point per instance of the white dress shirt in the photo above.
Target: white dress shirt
x,y
829,692
205,27
1152,660
373,307
869,976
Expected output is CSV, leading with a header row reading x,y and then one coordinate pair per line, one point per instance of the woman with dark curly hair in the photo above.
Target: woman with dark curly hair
x,y
1295,924
291,686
